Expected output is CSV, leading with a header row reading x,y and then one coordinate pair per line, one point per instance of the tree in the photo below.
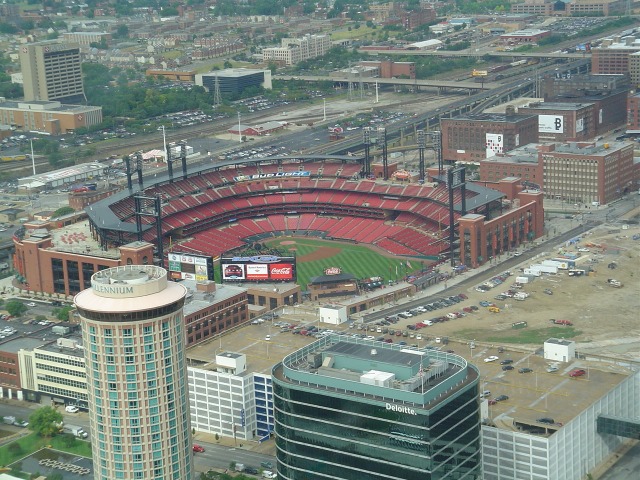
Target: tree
x,y
62,314
122,31
16,308
45,421
61,212
227,64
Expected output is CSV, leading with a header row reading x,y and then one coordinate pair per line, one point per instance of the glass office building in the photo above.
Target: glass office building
x,y
352,409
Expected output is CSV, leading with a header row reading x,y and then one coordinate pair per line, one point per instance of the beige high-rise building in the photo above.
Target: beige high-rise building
x,y
51,71
134,341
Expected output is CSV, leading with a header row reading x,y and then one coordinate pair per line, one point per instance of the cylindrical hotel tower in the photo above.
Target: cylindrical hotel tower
x,y
133,332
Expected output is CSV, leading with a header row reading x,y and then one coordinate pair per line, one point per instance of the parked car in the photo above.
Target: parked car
x,y
501,398
548,291
506,362
71,409
266,464
547,420
251,470
31,304
525,370
507,367
578,372
492,358
198,448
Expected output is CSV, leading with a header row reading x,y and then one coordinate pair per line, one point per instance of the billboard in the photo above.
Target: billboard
x,y
187,266
494,143
258,268
550,124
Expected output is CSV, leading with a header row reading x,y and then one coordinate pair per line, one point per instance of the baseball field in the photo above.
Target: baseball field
x,y
314,255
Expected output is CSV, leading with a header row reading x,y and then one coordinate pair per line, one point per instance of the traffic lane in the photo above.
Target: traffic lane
x,y
221,456
625,468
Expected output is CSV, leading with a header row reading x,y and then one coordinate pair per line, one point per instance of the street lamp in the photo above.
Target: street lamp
x,y
239,129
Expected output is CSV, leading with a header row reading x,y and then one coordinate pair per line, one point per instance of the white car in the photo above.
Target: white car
x,y
492,358
269,474
584,250
71,409
268,338
31,304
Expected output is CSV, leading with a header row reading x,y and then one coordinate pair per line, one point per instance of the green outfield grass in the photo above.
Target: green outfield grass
x,y
359,260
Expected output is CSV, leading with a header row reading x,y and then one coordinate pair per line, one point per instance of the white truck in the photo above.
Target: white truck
x,y
75,430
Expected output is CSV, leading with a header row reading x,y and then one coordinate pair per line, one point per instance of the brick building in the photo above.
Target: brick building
x,y
581,173
633,113
390,69
50,117
544,8
483,237
612,57
609,108
520,163
588,172
471,138
562,122
576,86
52,266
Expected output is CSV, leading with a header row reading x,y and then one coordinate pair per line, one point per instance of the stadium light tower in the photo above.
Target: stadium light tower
x,y
366,139
382,136
421,141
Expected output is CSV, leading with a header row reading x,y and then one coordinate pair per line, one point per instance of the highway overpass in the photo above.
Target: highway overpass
x,y
441,85
446,53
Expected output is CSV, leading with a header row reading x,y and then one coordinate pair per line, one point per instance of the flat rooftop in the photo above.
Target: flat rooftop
x,y
531,395
560,106
490,117
197,300
74,238
539,394
66,350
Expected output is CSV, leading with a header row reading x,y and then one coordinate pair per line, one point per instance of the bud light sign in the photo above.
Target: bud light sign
x,y
260,268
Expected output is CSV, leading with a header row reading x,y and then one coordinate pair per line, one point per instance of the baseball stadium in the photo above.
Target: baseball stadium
x,y
225,208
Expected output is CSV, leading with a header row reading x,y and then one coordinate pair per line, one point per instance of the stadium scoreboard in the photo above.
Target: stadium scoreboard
x,y
187,266
258,268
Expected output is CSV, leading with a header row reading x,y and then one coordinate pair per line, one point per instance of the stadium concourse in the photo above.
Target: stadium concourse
x,y
217,208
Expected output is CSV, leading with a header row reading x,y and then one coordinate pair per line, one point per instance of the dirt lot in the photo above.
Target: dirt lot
x,y
605,319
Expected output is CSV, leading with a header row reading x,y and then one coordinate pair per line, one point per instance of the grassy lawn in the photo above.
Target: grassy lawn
x,y
522,336
361,32
356,259
26,445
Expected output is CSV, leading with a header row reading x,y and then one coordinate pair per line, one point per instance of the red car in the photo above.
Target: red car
x,y
233,271
197,448
578,372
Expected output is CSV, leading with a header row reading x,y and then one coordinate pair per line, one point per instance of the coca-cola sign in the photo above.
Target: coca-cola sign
x,y
281,271
333,271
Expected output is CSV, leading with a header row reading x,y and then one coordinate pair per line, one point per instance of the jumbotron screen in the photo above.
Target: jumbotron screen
x,y
186,266
259,268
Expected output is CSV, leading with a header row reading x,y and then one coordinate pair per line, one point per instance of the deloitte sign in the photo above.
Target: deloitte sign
x,y
400,408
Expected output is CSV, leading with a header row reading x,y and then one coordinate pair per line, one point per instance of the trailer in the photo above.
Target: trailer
x,y
532,272
562,265
545,268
